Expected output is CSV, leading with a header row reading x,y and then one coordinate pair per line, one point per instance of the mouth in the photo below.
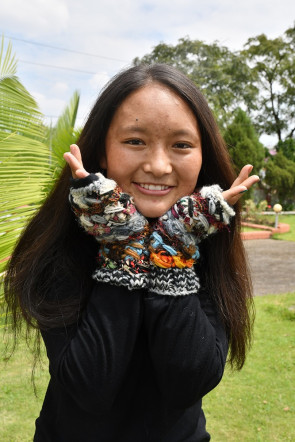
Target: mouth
x,y
153,189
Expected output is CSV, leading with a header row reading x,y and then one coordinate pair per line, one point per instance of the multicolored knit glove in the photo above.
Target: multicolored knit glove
x,y
175,238
105,212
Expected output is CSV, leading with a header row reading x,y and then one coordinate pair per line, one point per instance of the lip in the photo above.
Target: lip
x,y
153,191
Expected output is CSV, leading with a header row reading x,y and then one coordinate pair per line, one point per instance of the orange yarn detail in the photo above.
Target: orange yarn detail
x,y
161,259
181,262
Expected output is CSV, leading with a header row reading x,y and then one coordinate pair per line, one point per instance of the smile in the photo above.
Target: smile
x,y
153,189
153,186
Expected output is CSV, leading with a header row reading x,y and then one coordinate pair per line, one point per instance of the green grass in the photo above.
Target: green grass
x,y
247,229
289,236
19,406
287,219
256,404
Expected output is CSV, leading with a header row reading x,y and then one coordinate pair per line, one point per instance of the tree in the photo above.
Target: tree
x,y
29,162
273,66
222,75
243,142
280,176
287,148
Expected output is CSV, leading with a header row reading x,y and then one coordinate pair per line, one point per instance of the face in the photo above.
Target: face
x,y
153,149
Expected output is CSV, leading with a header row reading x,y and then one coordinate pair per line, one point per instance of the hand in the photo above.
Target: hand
x,y
175,238
240,185
109,215
74,160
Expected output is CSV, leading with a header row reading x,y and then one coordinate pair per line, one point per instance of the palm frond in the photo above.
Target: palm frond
x,y
64,133
18,110
30,154
25,174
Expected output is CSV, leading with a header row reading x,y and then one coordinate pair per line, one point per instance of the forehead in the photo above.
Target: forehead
x,y
154,100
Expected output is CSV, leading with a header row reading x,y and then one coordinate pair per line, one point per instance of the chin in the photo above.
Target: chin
x,y
151,212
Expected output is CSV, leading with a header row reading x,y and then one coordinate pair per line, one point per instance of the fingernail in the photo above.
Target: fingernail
x,y
243,191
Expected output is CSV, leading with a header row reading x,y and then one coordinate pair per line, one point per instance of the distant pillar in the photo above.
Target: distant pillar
x,y
277,209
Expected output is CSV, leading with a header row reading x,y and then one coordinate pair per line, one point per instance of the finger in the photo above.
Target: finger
x,y
248,183
233,194
76,152
243,175
76,166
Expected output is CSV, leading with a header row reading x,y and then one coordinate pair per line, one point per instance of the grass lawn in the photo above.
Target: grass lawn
x,y
289,236
256,404
287,219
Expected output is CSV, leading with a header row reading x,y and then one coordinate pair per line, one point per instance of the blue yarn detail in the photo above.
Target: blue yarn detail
x,y
158,241
196,255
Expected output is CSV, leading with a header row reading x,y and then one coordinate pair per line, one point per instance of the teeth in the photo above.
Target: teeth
x,y
154,187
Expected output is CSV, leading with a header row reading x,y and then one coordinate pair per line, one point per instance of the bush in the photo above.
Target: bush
x,y
252,212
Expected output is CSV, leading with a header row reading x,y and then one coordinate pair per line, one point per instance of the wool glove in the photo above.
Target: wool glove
x,y
109,214
175,237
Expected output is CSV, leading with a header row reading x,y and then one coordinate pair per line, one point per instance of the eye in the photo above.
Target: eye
x,y
134,142
182,145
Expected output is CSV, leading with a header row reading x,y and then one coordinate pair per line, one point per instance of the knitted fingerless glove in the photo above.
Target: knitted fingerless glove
x,y
175,238
105,212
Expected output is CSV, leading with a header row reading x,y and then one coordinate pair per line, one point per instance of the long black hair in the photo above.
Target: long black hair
x,y
49,274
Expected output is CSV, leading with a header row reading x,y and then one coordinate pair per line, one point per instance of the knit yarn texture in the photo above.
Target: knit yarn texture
x,y
133,253
109,215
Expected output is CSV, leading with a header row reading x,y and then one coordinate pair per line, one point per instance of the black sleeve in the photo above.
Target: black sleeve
x,y
91,362
188,346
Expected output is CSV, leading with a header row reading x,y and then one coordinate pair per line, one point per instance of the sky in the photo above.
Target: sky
x,y
68,45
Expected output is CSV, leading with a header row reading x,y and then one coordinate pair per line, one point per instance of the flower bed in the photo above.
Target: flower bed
x,y
263,232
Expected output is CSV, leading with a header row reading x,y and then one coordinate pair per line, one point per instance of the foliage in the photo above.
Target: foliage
x,y
252,212
280,176
254,404
18,110
29,164
287,148
243,142
222,75
273,63
259,78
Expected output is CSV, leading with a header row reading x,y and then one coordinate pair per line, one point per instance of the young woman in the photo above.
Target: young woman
x,y
138,283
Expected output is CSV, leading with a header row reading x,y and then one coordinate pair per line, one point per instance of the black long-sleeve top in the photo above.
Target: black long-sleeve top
x,y
135,369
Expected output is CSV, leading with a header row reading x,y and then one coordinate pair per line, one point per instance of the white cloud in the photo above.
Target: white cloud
x,y
59,88
34,17
98,81
51,106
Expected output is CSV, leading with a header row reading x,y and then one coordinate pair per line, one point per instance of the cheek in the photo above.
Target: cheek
x,y
190,178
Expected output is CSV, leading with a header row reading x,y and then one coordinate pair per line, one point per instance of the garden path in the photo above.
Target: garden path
x,y
272,265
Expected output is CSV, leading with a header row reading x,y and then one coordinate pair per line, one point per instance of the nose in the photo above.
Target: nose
x,y
158,161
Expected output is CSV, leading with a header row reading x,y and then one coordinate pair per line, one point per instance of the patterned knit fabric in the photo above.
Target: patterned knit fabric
x,y
175,238
108,214
132,253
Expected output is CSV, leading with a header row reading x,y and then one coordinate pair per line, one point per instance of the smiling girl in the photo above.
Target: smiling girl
x,y
138,285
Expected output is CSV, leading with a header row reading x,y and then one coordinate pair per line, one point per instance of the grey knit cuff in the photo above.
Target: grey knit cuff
x,y
173,281
217,205
123,278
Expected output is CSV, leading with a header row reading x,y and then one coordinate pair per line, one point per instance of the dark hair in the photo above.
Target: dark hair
x,y
54,256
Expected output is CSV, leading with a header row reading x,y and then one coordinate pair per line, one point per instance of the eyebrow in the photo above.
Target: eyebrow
x,y
139,129
133,129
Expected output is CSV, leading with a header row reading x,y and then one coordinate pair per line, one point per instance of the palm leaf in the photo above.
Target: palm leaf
x,y
30,154
18,110
64,133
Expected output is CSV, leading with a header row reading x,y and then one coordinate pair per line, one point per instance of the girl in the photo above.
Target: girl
x,y
139,284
